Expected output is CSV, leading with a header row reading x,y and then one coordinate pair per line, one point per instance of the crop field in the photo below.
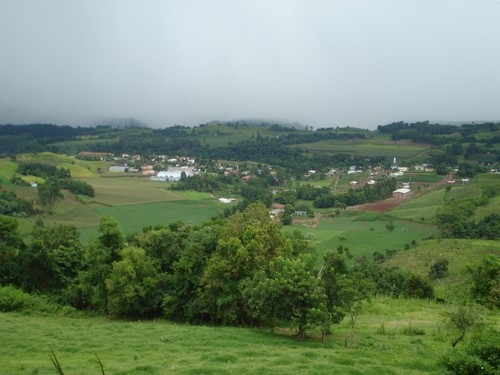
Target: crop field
x,y
420,177
123,190
364,234
160,347
72,212
135,217
137,202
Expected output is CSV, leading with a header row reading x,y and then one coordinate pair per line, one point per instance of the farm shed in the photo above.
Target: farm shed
x,y
401,193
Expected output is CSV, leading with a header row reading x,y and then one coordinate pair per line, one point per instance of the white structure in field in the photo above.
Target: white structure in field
x,y
173,174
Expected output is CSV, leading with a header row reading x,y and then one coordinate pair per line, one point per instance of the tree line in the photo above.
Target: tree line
x,y
55,179
238,271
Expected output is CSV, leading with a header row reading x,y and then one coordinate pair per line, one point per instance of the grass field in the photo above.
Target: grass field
x,y
459,253
135,217
364,234
7,169
78,168
424,177
422,208
124,190
371,148
379,346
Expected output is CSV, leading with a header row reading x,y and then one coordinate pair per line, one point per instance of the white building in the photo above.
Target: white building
x,y
173,174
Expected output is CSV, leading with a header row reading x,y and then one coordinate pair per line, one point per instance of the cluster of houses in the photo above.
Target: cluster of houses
x,y
165,168
175,167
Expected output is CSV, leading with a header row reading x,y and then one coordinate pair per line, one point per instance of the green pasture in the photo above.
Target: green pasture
x,y
86,143
193,208
220,135
124,190
78,168
460,253
363,234
462,192
421,208
70,210
7,169
135,217
424,206
370,148
423,177
493,207
379,345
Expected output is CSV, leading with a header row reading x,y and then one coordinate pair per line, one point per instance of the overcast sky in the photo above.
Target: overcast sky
x,y
322,63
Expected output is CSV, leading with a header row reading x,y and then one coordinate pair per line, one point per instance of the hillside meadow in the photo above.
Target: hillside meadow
x,y
391,337
363,233
460,254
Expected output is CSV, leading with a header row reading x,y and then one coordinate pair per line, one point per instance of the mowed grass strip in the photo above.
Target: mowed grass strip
x,y
378,346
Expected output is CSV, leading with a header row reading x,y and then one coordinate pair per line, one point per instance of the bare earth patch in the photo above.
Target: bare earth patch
x,y
379,206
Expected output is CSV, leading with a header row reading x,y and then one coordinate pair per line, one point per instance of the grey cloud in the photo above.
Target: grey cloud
x,y
322,63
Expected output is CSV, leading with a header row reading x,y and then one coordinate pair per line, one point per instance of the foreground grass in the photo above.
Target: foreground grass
x,y
382,344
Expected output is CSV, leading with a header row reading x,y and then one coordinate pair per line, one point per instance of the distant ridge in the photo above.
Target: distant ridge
x,y
259,122
120,122
448,122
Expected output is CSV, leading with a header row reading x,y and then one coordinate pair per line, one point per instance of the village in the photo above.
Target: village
x,y
165,168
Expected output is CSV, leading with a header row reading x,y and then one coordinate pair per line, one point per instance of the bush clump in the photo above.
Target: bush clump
x,y
13,299
480,356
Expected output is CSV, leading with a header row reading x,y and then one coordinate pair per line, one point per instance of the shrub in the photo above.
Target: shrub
x,y
416,286
481,356
13,299
439,269
378,257
389,226
412,331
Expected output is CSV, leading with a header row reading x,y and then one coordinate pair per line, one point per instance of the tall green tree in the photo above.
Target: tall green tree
x,y
63,250
132,285
247,243
99,255
11,244
291,291
485,278
181,300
